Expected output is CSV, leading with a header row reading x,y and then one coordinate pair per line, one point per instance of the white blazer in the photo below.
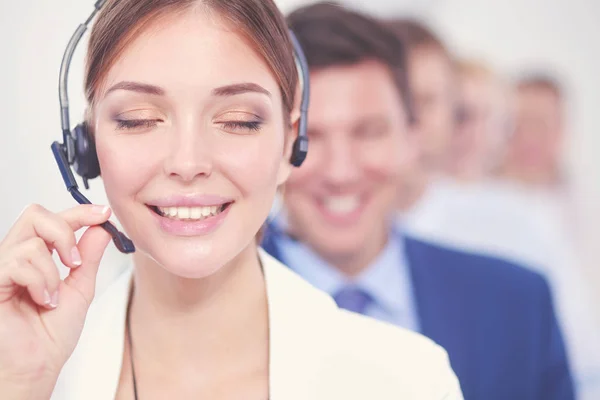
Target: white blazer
x,y
317,351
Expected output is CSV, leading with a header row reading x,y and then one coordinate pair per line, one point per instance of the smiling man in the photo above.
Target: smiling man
x,y
495,319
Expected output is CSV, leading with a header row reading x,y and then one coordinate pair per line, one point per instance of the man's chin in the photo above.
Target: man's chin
x,y
342,249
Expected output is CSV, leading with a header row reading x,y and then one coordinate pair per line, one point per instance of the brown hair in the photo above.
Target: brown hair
x,y
539,80
332,35
415,34
121,21
474,67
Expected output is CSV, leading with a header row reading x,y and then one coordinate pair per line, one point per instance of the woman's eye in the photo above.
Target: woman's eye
x,y
136,123
252,126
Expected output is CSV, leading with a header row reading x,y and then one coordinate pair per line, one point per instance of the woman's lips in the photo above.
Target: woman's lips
x,y
190,221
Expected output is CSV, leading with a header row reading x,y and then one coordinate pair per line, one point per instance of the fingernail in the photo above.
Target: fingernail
x,y
75,256
101,209
54,301
47,298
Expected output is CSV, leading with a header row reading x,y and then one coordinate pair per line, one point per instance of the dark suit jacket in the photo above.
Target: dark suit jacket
x,y
495,319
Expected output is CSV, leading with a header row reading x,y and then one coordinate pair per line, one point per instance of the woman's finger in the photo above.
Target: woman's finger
x,y
57,230
33,280
34,252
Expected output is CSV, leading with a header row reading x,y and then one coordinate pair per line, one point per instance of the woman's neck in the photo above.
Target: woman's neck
x,y
208,324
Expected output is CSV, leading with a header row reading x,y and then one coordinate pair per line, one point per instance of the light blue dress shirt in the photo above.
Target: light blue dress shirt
x,y
387,280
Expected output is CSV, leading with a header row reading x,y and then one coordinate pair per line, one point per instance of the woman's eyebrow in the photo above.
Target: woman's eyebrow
x,y
240,88
227,90
137,87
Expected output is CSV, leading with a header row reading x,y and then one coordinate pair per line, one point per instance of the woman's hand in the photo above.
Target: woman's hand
x,y
41,317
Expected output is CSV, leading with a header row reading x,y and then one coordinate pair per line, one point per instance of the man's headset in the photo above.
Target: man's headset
x,y
78,148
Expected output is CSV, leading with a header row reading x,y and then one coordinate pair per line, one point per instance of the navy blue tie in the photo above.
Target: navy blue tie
x,y
353,299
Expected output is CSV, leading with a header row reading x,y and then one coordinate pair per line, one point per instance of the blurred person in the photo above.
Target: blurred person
x,y
432,78
534,167
432,81
522,209
336,228
483,122
469,207
534,151
447,107
193,125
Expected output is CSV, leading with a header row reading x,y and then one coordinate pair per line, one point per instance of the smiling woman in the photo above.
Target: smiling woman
x,y
192,113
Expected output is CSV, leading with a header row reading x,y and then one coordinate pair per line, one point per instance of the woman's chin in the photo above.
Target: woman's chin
x,y
192,268
192,262
189,272
193,257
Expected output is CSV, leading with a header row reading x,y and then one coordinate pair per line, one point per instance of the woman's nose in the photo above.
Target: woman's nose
x,y
190,154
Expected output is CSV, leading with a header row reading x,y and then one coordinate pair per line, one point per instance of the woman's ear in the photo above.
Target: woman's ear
x,y
285,168
291,136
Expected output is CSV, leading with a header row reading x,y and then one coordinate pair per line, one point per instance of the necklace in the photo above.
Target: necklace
x,y
135,392
130,343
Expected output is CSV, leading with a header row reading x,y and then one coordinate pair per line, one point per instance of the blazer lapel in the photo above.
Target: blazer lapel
x,y
427,291
269,242
94,369
442,305
298,347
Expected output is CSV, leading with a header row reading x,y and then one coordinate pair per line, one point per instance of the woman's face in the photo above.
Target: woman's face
x,y
190,139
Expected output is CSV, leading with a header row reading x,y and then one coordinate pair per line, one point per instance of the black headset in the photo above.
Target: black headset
x,y
78,148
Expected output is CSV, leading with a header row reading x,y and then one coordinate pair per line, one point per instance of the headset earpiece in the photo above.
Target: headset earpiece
x,y
300,147
299,151
85,161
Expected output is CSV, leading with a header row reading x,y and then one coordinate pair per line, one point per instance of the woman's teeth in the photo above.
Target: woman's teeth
x,y
189,213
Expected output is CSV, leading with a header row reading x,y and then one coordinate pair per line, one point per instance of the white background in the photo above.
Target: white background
x,y
561,34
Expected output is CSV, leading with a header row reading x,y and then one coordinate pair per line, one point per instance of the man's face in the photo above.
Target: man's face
x,y
432,83
340,200
483,127
536,145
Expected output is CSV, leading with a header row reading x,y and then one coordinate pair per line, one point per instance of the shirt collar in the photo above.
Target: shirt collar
x,y
387,279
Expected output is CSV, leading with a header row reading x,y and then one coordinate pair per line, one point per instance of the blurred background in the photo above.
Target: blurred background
x,y
522,159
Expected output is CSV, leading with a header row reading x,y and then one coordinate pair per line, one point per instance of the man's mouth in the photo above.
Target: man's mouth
x,y
340,205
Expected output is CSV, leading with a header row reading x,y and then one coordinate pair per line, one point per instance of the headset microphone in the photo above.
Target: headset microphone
x,y
78,149
122,242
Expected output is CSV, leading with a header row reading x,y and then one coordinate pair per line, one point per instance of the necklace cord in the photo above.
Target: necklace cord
x,y
130,341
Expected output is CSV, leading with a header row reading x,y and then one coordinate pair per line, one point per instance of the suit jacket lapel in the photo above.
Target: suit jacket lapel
x,y
269,242
298,345
444,311
94,368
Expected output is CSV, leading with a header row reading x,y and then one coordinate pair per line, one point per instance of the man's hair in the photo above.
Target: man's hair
x,y
415,34
332,35
540,80
475,67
